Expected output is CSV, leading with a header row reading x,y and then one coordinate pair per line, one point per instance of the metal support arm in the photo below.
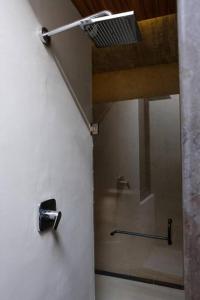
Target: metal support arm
x,y
45,34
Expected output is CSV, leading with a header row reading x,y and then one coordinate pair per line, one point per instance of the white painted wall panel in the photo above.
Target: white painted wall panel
x,y
45,152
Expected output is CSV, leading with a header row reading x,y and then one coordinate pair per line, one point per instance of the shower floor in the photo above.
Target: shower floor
x,y
109,288
144,258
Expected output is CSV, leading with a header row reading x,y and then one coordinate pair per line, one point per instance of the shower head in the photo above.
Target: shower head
x,y
117,29
104,28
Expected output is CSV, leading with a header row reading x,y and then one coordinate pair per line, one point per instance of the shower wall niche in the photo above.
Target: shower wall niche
x,y
138,187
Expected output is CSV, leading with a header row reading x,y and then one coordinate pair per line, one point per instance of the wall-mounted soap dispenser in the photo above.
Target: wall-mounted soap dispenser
x,y
48,217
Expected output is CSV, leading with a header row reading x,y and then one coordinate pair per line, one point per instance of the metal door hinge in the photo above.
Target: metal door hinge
x,y
94,129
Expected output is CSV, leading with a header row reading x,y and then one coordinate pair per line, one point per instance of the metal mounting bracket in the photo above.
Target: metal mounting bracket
x,y
46,40
94,129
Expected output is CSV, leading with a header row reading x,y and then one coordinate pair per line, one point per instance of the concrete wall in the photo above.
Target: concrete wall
x,y
46,152
189,57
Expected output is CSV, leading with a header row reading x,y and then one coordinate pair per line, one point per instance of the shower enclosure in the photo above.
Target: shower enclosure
x,y
138,190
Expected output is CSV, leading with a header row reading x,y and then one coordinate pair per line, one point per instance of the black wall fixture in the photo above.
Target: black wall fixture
x,y
48,217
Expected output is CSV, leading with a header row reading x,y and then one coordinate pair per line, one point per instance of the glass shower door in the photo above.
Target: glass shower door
x,y
138,188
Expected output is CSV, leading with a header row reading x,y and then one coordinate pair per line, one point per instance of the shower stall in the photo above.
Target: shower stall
x,y
138,210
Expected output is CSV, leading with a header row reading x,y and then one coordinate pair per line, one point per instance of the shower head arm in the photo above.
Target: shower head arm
x,y
45,34
102,13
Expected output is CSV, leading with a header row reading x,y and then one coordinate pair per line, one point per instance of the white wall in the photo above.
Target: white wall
x,y
45,152
115,148
72,47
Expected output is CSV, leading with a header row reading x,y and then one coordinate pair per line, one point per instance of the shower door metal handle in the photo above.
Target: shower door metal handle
x,y
167,237
48,217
